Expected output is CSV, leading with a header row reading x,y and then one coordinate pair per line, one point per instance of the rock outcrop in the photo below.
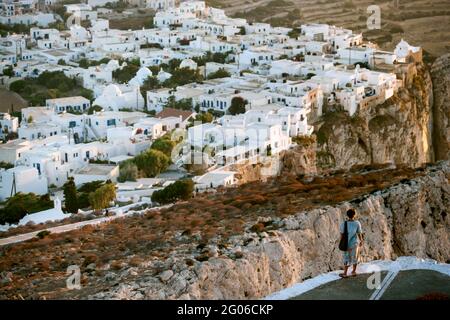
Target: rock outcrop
x,y
396,131
440,73
410,218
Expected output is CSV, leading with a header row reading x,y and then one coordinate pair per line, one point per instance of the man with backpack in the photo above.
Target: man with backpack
x,y
351,240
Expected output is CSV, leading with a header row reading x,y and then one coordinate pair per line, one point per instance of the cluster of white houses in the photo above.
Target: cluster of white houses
x,y
284,78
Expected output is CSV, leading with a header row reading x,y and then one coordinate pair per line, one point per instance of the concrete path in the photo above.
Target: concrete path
x,y
76,225
400,285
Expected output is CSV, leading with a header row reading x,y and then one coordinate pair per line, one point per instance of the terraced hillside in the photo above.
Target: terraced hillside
x,y
421,22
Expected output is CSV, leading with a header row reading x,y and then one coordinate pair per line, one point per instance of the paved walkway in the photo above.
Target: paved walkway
x,y
403,285
74,226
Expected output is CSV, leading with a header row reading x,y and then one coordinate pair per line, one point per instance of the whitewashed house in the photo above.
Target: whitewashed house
x,y
115,97
11,151
8,124
96,172
34,130
21,179
77,104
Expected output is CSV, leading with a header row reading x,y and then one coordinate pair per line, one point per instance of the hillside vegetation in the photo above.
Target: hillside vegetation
x,y
38,266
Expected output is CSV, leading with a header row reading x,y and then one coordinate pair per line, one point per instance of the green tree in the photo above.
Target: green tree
x,y
164,145
8,71
204,117
183,76
182,104
18,86
294,33
179,190
221,73
237,106
101,198
94,108
21,204
128,172
152,162
126,73
89,187
71,196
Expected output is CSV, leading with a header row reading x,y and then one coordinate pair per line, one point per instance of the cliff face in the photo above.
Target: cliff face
x,y
397,131
440,73
410,218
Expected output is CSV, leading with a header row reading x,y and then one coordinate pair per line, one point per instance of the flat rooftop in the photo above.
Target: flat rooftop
x,y
96,169
67,100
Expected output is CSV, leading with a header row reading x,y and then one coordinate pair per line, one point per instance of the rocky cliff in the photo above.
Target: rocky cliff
x,y
397,131
440,73
410,218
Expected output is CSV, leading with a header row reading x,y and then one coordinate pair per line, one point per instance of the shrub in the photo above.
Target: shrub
x,y
152,162
42,234
128,172
181,189
237,106
21,204
221,73
259,227
101,198
164,145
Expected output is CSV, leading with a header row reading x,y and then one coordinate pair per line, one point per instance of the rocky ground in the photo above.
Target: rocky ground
x,y
407,217
440,73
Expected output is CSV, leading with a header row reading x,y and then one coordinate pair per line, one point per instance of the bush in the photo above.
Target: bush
x,y
183,76
18,206
126,73
179,190
128,172
8,71
18,86
42,234
164,145
152,162
221,73
237,106
101,198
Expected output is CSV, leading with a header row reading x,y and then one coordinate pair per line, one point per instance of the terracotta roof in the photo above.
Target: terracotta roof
x,y
170,112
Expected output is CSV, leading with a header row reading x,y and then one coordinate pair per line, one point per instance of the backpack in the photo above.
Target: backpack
x,y
343,244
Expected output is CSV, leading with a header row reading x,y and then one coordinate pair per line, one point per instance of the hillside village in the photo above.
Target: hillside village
x,y
142,109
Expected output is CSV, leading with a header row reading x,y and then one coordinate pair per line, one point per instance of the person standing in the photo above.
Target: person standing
x,y
355,240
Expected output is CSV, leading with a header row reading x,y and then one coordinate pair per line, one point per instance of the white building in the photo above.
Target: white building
x,y
96,172
21,179
8,124
32,131
115,98
11,151
160,4
78,104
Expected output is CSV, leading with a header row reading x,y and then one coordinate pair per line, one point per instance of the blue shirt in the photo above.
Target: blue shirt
x,y
353,228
